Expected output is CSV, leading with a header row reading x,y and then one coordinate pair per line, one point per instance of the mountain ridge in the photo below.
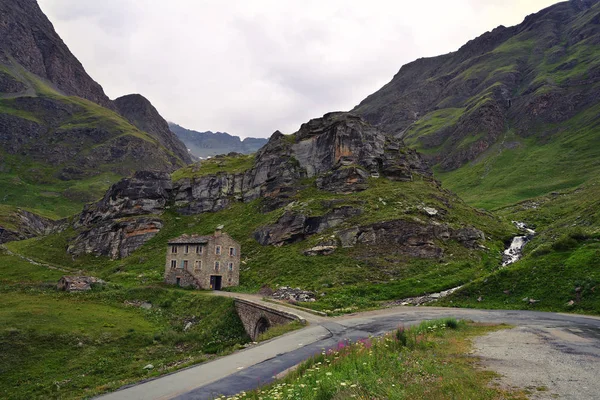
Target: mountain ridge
x,y
210,144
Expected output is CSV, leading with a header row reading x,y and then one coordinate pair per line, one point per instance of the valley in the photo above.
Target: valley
x,y
412,193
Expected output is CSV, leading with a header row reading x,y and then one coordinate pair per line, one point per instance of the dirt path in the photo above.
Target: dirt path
x,y
548,362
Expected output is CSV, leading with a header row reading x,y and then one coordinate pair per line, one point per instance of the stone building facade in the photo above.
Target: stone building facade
x,y
204,262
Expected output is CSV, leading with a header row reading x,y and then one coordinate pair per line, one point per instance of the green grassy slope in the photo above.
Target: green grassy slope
x,y
99,145
56,345
561,265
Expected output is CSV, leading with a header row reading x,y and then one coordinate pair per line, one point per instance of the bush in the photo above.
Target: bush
x,y
451,323
564,243
401,336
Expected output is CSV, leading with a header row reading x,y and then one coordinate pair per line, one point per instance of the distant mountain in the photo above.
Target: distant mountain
x,y
512,114
209,144
62,140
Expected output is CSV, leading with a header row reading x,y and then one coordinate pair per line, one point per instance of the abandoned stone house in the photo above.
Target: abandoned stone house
x,y
204,262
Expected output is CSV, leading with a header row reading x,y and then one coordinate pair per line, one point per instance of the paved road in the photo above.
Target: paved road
x,y
258,365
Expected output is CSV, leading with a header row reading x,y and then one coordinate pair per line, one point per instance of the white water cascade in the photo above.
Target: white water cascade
x,y
515,251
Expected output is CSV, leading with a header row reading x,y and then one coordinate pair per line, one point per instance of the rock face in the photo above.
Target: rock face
x,y
115,239
407,237
340,139
457,106
28,37
141,113
294,227
29,225
144,194
113,227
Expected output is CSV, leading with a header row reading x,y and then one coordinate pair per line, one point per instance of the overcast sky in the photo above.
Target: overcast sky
x,y
250,67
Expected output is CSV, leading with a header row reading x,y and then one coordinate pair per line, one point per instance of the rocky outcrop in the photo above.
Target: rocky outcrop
x,y
27,225
113,227
293,227
209,193
409,238
115,238
340,150
142,114
342,139
145,193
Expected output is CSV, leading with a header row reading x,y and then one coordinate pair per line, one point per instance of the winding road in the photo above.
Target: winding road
x,y
535,354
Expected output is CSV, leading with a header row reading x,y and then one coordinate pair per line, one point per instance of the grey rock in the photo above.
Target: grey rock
x,y
115,238
320,251
344,180
293,227
145,193
78,283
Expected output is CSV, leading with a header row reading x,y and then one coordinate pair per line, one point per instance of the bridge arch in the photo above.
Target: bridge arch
x,y
258,318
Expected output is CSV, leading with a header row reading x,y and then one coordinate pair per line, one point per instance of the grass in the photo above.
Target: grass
x,y
279,330
428,361
531,167
219,164
73,345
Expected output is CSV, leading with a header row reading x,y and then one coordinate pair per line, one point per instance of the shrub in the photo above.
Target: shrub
x,y
451,323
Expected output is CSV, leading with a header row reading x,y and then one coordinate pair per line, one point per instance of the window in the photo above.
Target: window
x,y
199,249
198,266
173,264
174,249
230,266
218,250
184,264
232,251
216,265
187,249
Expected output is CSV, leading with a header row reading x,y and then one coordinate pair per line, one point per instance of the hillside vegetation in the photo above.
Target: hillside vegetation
x,y
511,115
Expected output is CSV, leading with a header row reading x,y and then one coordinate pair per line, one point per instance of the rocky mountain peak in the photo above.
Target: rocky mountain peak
x,y
141,113
28,38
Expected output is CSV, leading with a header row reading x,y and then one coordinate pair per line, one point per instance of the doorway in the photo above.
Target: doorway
x,y
215,282
179,282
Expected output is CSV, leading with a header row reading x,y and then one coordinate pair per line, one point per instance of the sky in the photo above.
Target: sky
x,y
250,67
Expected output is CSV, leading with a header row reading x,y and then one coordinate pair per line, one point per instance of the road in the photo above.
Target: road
x,y
574,337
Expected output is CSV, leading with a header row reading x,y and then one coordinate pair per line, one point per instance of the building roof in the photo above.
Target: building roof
x,y
187,239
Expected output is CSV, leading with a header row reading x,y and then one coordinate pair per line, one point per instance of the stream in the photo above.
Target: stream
x,y
515,251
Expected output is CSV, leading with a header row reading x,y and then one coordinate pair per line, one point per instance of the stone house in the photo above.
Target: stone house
x,y
204,262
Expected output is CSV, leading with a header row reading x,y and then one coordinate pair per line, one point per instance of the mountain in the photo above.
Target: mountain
x,y
142,114
210,144
511,122
512,114
62,140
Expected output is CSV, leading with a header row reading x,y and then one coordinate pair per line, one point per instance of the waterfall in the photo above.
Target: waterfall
x,y
515,251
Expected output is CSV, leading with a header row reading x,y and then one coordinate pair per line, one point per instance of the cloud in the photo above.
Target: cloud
x,y
251,67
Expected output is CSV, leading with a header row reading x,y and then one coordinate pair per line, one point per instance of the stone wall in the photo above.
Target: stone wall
x,y
257,318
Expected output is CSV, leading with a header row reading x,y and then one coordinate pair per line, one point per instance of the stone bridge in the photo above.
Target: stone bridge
x,y
257,318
